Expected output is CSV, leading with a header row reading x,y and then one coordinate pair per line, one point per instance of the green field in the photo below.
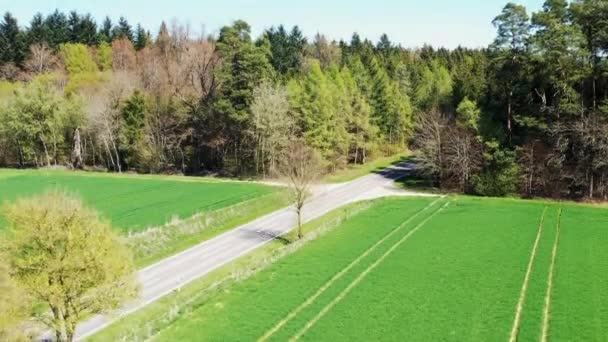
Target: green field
x,y
452,269
134,203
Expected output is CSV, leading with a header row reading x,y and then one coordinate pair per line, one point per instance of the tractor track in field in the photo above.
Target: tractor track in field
x,y
524,288
340,274
547,307
363,274
171,273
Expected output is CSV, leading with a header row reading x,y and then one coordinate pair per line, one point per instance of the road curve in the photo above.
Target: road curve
x,y
169,274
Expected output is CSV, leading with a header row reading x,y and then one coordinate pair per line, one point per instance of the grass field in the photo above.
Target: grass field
x,y
457,269
133,203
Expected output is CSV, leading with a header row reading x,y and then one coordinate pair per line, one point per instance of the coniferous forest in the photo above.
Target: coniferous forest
x,y
525,115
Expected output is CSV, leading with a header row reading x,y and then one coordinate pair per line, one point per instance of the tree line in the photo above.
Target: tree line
x,y
526,115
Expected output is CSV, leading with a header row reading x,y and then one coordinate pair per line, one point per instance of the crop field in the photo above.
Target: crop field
x,y
426,269
134,203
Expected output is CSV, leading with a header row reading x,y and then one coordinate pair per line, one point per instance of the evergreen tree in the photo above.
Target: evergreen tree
x,y
123,30
362,132
384,46
105,32
558,51
132,132
286,49
74,27
142,38
87,31
312,100
13,48
245,66
391,109
58,29
38,31
509,60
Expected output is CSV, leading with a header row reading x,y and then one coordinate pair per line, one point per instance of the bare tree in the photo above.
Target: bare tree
x,y
105,117
428,141
41,59
463,156
302,167
123,55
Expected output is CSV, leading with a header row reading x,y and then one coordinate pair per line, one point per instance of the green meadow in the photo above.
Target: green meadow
x,y
133,203
456,269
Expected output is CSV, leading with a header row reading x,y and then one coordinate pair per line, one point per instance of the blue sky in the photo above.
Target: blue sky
x,y
408,22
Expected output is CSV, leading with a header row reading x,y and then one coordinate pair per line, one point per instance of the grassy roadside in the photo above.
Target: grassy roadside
x,y
151,319
158,243
359,170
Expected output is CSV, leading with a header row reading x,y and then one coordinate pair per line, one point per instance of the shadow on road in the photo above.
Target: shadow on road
x,y
407,175
263,235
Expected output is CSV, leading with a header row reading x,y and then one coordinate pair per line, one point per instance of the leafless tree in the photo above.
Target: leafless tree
x,y
580,155
325,51
302,166
123,55
429,143
10,71
462,156
105,118
41,59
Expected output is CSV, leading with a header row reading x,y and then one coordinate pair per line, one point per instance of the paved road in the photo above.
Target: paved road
x,y
173,272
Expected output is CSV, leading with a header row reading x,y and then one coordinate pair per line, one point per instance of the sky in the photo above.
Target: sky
x,y
411,23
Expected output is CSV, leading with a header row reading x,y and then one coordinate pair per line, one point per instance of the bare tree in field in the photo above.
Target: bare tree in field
x,y
302,166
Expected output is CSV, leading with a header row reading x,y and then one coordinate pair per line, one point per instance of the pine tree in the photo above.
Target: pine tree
x,y
74,27
142,38
87,31
245,67
13,48
123,30
37,32
559,44
58,29
105,32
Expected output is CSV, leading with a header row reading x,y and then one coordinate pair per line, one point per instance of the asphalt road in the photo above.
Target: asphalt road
x,y
170,274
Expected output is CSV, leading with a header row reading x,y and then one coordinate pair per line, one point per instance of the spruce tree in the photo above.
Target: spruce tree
x,y
105,32
87,31
38,31
58,29
13,47
123,30
142,38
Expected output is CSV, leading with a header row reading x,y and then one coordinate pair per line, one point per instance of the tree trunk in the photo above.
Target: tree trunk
x,y
20,152
591,185
509,115
299,212
46,151
77,151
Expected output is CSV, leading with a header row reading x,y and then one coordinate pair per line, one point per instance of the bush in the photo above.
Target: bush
x,y
77,58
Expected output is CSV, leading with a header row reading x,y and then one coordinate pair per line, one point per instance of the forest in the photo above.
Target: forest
x,y
526,115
